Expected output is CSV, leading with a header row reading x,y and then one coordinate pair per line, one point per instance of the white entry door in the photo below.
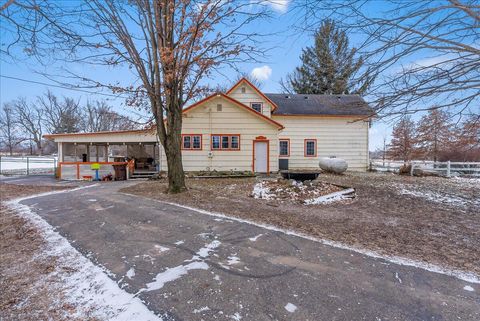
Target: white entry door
x,y
261,157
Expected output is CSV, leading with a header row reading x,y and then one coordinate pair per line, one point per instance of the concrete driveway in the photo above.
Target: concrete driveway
x,y
190,266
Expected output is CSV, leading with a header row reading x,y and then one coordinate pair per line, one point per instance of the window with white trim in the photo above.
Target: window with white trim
x,y
257,106
225,142
284,147
191,142
310,147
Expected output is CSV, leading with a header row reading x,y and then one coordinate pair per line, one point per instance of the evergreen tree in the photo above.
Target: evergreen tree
x,y
330,66
434,134
403,143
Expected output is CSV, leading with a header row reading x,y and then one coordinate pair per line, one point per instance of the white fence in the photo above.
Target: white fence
x,y
27,165
447,169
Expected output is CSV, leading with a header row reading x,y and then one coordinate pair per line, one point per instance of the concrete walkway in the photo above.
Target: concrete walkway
x,y
189,266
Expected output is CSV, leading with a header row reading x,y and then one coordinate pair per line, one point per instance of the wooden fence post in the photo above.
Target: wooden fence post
x,y
28,166
448,169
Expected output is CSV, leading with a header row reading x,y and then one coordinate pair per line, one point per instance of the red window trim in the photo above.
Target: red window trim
x,y
229,142
305,147
261,106
191,142
288,151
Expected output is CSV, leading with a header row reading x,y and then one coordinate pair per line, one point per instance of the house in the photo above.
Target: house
x,y
242,130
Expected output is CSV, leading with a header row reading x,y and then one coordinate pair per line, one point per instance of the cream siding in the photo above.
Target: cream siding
x,y
251,96
336,136
206,120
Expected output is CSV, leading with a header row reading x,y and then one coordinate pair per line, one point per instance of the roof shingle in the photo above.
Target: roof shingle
x,y
335,105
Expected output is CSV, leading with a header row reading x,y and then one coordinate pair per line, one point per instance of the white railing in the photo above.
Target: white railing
x,y
27,165
447,169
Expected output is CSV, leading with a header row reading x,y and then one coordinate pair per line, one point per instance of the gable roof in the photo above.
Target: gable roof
x,y
325,105
237,103
245,80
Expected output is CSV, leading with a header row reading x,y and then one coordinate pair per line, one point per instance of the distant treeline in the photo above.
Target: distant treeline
x,y
23,123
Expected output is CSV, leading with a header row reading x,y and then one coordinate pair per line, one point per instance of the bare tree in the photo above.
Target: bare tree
x,y
443,33
29,118
60,116
9,136
403,144
98,116
434,133
170,46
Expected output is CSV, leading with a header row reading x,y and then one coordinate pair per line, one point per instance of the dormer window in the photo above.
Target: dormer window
x,y
257,107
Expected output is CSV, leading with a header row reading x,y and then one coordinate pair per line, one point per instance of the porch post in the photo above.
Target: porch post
x,y
88,152
105,156
60,152
75,151
96,153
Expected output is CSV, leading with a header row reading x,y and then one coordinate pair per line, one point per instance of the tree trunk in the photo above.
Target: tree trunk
x,y
172,145
39,148
176,175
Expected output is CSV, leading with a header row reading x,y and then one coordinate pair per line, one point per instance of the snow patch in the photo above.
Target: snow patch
x,y
290,307
179,242
236,316
398,278
255,238
172,274
468,288
233,260
161,248
330,198
86,285
262,192
203,309
130,273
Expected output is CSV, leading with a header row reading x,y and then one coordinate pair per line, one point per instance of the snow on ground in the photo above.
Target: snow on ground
x,y
200,310
308,193
233,259
197,262
290,307
255,238
130,273
86,286
262,192
468,288
330,198
436,197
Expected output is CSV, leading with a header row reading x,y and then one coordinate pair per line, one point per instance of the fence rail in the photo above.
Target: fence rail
x,y
447,169
27,165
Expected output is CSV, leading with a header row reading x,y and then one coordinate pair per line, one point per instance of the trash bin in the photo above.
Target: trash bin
x,y
120,172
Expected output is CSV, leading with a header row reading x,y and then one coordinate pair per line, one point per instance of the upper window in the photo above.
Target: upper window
x,y
284,147
225,142
257,106
191,142
310,147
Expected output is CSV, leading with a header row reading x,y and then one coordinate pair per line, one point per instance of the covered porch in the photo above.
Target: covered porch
x,y
75,159
133,151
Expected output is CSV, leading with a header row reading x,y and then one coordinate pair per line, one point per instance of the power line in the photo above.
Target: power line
x,y
59,86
